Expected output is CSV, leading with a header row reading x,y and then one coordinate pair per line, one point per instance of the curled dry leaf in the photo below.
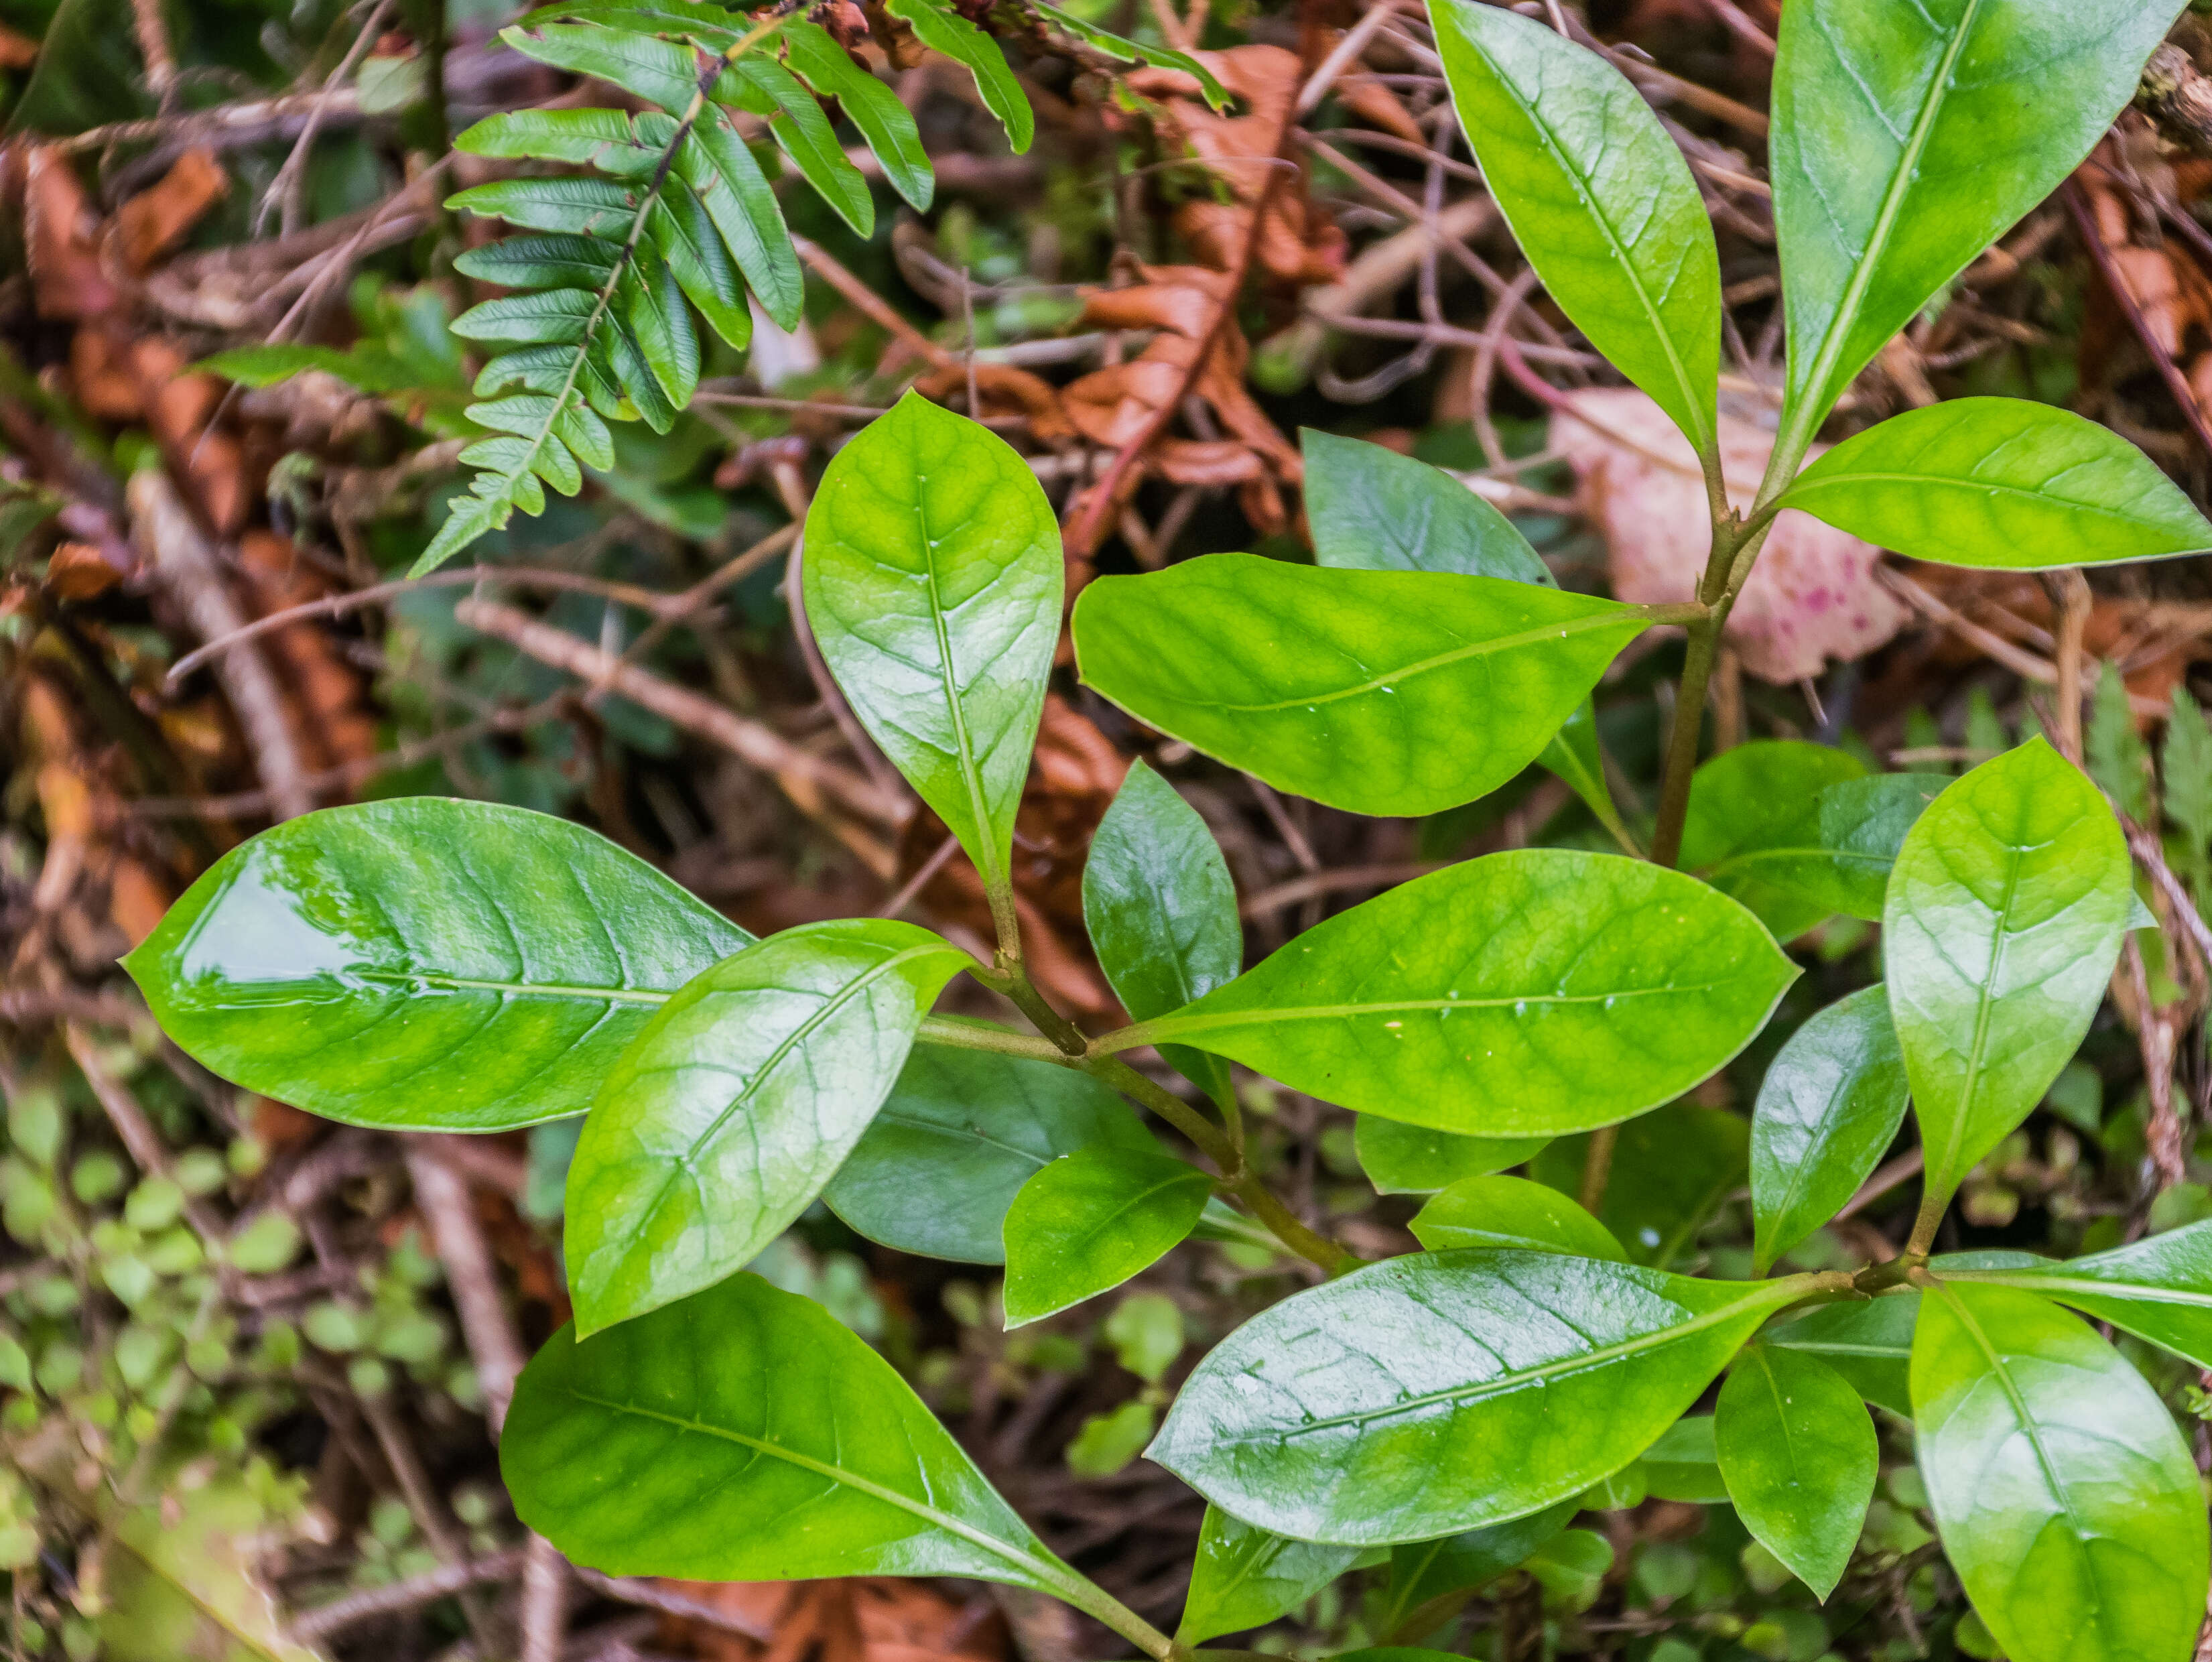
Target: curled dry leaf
x,y
1813,595
153,221
60,235
1003,390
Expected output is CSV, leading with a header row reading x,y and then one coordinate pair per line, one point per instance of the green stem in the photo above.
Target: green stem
x,y
978,1035
1682,740
1102,1607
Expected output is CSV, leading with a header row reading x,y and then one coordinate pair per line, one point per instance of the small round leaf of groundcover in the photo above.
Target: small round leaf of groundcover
x,y
1443,1391
423,964
745,1434
1528,994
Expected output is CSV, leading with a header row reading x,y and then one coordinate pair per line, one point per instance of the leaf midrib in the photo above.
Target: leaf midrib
x,y
986,856
1171,1027
1042,1572
1813,487
2061,1286
1549,632
1893,204
1703,438
1565,1367
1984,1008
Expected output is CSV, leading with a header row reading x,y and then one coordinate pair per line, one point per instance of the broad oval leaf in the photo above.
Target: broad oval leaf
x,y
1372,509
1599,198
2001,482
1512,1214
1672,1168
1742,800
1161,909
1425,1576
423,964
1524,993
1417,1159
2158,1289
2066,1499
1909,136
1833,855
755,1438
1684,1464
1868,1343
1350,687
1245,1577
1830,1104
1091,1220
2004,918
726,1116
1447,1391
1799,1457
933,578
959,1135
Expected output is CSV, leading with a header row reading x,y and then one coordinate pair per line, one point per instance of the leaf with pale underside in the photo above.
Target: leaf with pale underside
x,y
1526,993
2065,1498
2003,483
758,1439
424,964
1598,197
1909,136
2003,920
1350,687
1441,1392
933,581
1830,1104
726,1116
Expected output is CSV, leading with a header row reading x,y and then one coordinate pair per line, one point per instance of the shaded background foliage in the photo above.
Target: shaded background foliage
x,y
247,1359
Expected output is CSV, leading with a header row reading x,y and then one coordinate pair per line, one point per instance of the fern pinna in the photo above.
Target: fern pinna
x,y
598,328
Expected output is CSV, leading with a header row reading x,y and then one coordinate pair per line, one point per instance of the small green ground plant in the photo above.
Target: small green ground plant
x,y
440,966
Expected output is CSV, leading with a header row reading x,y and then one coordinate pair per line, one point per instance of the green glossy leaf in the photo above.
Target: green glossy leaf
x,y
868,104
604,139
937,26
1350,687
1245,1577
1684,1464
1870,1343
1909,136
715,161
423,964
959,1135
689,20
1747,800
1161,910
1800,1457
1671,1170
556,317
2001,482
1417,1159
2004,922
1425,1574
2158,1289
726,1116
652,303
1524,993
1833,855
659,71
2066,1499
1828,1108
542,262
1576,758
1372,509
932,579
586,207
1092,1218
804,135
1513,1213
747,1434
699,261
1599,198
1131,52
1440,1392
